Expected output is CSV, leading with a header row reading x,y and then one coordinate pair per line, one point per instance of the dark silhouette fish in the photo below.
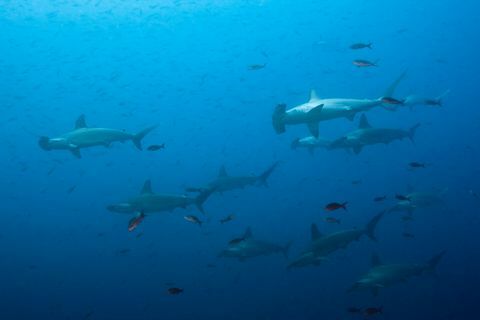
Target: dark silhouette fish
x,y
357,46
364,63
156,147
335,206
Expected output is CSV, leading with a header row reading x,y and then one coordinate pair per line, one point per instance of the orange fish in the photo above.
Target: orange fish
x,y
134,222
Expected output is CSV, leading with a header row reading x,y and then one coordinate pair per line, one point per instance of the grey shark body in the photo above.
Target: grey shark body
x,y
149,202
316,110
248,247
415,100
310,143
366,135
322,246
225,182
385,275
84,137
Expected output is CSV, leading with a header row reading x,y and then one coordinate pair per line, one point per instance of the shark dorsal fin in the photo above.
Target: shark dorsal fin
x,y
222,173
80,123
364,122
376,260
313,96
248,233
147,187
315,232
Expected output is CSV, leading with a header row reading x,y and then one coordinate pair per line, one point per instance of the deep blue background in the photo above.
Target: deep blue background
x,y
184,66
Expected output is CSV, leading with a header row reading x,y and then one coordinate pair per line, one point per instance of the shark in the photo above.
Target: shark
x,y
83,136
317,109
420,199
321,246
225,182
366,135
310,143
149,202
414,100
384,275
248,247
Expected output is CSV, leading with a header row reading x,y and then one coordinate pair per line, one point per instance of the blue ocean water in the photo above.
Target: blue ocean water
x,y
209,75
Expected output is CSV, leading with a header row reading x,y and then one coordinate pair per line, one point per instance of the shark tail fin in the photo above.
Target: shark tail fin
x,y
372,225
295,144
278,118
202,197
137,139
434,261
438,100
411,132
390,92
262,179
286,249
44,143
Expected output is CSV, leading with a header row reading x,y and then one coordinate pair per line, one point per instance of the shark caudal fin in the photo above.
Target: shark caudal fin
x,y
411,132
286,249
433,262
137,139
262,179
372,225
44,143
278,118
202,197
295,144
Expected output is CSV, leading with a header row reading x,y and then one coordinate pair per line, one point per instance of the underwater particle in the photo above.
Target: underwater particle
x,y
228,218
335,206
174,291
364,63
416,165
408,235
156,147
134,222
379,198
354,310
359,45
332,220
254,67
193,219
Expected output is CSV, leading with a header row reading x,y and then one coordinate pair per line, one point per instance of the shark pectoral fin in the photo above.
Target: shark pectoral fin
x,y
313,127
75,151
357,149
350,116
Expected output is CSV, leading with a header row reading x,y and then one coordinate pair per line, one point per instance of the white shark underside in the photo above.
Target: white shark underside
x,y
85,137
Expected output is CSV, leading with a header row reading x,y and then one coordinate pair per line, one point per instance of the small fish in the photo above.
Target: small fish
x,y
402,197
379,199
139,235
228,218
174,291
193,219
356,182
360,45
417,165
354,310
88,315
389,100
364,63
170,284
71,189
134,222
236,240
335,205
156,147
408,235
433,102
332,220
372,311
211,265
473,193
123,251
254,67
407,218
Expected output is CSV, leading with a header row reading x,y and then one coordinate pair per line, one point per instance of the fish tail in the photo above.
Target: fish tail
x,y
344,206
137,138
202,197
262,179
278,118
411,132
434,261
372,225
